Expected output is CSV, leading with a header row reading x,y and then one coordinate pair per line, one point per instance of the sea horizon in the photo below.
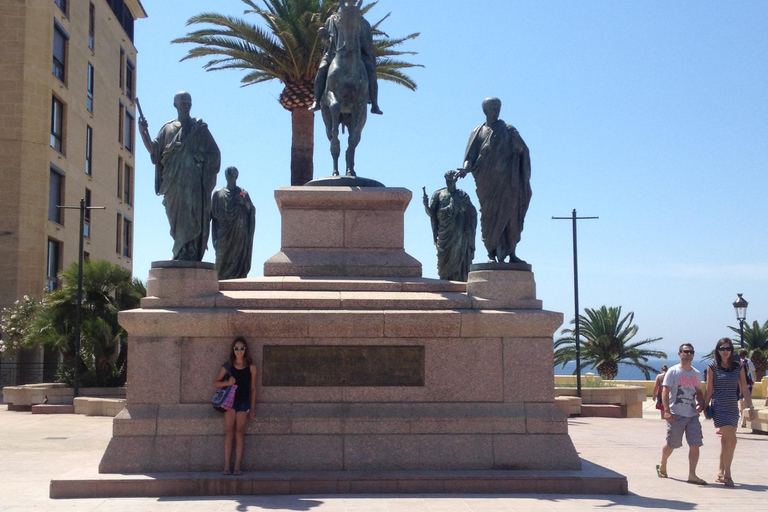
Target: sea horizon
x,y
628,372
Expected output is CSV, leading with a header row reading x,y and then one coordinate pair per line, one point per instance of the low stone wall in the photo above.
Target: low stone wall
x,y
25,396
570,405
759,389
630,398
99,406
761,423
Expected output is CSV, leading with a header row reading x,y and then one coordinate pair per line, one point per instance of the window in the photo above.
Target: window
x,y
59,51
122,67
91,26
87,215
52,267
128,131
123,16
127,236
57,125
90,88
89,150
62,5
129,78
119,177
120,123
118,239
86,256
128,195
55,196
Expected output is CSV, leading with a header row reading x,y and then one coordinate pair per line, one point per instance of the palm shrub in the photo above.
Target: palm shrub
x,y
107,289
288,50
606,343
756,342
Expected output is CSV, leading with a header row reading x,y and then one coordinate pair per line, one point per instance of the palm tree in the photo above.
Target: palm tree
x,y
606,343
756,341
289,51
107,289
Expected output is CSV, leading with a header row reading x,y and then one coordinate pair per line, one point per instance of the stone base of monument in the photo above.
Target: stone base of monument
x,y
342,231
383,374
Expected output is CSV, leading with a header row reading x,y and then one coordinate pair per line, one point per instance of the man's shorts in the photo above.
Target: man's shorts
x,y
689,425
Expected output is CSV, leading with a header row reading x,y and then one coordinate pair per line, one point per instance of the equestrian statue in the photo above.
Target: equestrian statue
x,y
350,79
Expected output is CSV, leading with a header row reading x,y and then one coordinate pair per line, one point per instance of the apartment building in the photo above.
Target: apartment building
x,y
67,132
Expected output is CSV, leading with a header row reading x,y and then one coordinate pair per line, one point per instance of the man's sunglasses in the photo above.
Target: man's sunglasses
x,y
687,352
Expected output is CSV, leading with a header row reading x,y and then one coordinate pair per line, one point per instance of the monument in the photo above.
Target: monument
x,y
233,225
371,378
454,222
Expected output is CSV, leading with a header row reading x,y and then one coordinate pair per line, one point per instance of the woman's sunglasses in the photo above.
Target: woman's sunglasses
x,y
239,349
725,349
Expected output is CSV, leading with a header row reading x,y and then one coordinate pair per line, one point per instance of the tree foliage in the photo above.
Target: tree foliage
x,y
756,342
107,289
15,322
606,343
285,46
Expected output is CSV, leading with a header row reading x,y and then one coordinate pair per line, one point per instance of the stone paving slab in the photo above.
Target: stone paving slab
x,y
36,449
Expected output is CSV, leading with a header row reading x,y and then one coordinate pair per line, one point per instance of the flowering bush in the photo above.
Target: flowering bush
x,y
15,323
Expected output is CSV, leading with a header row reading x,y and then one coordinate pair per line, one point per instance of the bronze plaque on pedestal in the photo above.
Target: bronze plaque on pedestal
x,y
318,365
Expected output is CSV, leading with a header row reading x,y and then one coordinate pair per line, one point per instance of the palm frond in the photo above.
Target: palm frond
x,y
606,338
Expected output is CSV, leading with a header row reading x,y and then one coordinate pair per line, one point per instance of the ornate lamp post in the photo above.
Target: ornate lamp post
x,y
740,305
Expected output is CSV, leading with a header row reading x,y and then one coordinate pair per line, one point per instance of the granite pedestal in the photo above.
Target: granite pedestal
x,y
342,231
417,374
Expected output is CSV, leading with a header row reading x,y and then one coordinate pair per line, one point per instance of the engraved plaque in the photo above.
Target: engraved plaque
x,y
319,365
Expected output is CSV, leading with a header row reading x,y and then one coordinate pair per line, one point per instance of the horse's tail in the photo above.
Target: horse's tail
x,y
344,120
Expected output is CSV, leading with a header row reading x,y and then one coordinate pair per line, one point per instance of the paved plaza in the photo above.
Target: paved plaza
x,y
37,448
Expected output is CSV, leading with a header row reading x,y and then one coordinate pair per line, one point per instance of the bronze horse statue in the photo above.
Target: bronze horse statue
x,y
346,92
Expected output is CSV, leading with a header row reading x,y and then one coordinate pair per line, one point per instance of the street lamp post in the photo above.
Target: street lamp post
x,y
79,306
740,305
577,335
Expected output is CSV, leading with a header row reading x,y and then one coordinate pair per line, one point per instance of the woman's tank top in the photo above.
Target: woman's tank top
x,y
243,381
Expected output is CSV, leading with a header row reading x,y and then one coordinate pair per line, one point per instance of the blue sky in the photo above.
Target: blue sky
x,y
651,115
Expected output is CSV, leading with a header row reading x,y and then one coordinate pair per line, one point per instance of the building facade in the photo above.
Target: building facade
x,y
67,132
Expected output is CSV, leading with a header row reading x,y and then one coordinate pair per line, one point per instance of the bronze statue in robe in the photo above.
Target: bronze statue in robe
x,y
500,162
454,224
234,222
187,161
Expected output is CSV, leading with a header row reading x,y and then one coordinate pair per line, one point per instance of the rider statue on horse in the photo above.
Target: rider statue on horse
x,y
330,34
346,80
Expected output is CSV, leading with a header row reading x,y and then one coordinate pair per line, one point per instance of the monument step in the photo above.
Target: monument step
x,y
601,411
591,479
294,283
348,300
53,409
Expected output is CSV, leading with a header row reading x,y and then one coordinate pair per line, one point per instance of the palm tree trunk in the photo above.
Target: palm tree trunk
x,y
302,145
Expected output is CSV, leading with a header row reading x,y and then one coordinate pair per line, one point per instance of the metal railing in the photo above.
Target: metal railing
x,y
17,374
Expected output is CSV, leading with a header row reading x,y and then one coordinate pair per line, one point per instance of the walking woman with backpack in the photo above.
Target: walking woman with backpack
x,y
238,370
749,368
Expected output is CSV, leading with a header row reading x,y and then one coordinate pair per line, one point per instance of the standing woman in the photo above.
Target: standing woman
x,y
724,379
658,387
244,409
